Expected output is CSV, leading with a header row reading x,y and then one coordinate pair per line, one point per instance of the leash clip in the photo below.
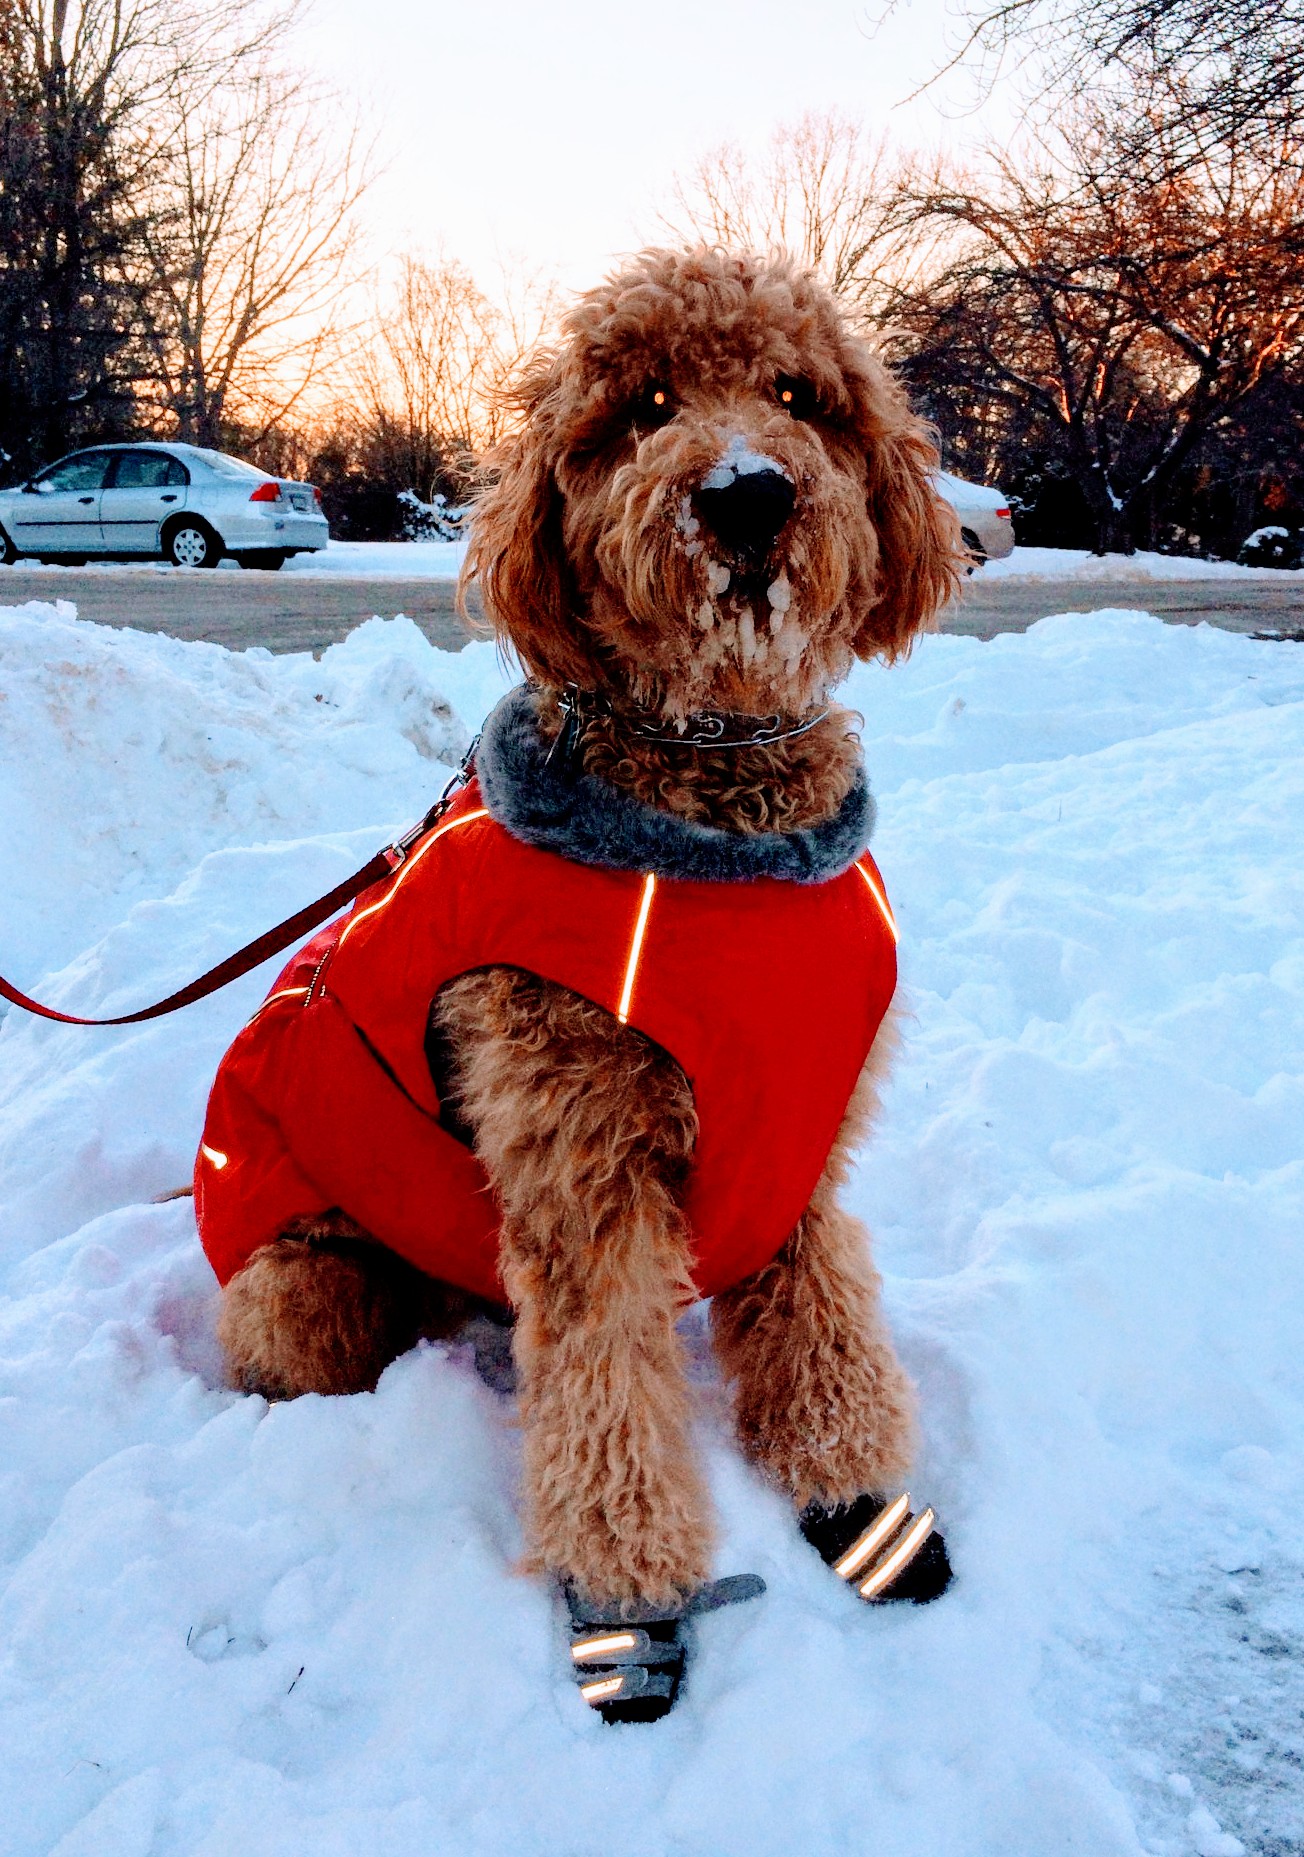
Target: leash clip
x,y
397,854
565,749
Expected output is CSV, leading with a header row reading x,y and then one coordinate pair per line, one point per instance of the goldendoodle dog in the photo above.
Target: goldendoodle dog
x,y
607,1039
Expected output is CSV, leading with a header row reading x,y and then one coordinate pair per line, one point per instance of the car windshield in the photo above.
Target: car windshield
x,y
230,467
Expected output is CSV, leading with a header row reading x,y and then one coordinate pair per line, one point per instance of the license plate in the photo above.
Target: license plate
x,y
299,502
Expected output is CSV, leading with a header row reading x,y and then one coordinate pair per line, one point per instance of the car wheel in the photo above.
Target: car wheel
x,y
977,553
268,559
8,553
190,543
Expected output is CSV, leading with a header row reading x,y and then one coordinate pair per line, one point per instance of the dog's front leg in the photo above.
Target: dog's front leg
x,y
587,1130
822,1403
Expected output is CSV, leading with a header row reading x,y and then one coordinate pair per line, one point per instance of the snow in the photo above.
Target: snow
x,y
383,560
1078,564
443,560
225,1628
739,459
962,494
340,560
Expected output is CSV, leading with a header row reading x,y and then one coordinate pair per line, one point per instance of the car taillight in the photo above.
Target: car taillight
x,y
316,496
1003,515
270,492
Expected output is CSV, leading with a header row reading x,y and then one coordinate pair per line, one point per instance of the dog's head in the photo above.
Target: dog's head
x,y
718,496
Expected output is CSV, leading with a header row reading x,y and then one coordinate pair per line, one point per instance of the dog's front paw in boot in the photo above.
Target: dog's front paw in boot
x,y
628,1655
881,1548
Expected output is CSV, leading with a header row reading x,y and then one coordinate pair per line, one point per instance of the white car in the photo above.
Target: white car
x,y
186,504
986,528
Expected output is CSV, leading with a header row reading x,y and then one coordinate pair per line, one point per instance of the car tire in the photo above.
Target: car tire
x,y
268,559
977,553
8,553
188,542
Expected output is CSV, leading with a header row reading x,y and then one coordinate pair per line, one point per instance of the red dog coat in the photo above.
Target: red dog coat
x,y
768,994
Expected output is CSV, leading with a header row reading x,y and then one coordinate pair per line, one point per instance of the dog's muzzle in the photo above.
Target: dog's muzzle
x,y
748,514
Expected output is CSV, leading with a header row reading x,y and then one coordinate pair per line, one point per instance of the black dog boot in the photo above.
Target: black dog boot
x,y
628,1658
881,1548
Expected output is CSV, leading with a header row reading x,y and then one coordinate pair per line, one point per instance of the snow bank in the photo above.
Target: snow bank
x,y
443,561
224,1628
383,560
341,560
1077,564
125,757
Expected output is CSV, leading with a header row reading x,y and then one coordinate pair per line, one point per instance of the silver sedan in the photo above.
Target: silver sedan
x,y
986,527
178,502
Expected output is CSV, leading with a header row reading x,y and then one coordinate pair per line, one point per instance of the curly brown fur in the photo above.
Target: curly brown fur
x,y
821,1402
593,560
587,1131
324,1310
599,568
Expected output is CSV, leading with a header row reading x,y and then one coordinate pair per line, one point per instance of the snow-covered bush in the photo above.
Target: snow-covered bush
x,y
1273,546
435,521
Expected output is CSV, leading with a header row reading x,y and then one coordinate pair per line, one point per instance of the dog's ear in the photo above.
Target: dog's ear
x,y
517,554
921,560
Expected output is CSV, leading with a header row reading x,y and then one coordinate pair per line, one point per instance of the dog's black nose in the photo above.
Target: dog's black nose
x,y
748,513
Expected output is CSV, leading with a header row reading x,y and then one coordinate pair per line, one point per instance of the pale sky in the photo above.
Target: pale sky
x,y
549,133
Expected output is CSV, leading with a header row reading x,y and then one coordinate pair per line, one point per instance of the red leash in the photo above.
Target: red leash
x,y
250,956
254,953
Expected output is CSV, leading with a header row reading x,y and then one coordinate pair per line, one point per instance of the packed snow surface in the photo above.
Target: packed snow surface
x,y
1078,564
443,561
340,560
228,1629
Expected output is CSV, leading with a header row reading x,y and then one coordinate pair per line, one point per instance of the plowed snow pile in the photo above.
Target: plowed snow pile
x,y
229,1631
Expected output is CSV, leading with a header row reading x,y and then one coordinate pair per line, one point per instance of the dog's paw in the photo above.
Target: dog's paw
x,y
881,1548
628,1656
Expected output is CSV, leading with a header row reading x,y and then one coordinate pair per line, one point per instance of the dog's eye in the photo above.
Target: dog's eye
x,y
796,396
654,406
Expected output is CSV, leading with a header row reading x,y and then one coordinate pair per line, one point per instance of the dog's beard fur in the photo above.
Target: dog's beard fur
x,y
595,554
692,626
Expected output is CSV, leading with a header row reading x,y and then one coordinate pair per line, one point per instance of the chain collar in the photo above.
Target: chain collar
x,y
705,728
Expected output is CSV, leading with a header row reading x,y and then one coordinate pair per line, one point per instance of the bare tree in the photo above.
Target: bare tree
x,y
1220,67
820,192
249,243
432,377
1122,320
149,243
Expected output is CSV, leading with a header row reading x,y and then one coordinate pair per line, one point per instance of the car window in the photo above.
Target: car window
x,y
84,472
148,470
230,467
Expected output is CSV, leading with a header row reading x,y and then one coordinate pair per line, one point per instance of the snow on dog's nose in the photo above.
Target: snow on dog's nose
x,y
745,499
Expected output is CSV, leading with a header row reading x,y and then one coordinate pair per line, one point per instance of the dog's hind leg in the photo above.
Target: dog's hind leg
x,y
586,1130
324,1309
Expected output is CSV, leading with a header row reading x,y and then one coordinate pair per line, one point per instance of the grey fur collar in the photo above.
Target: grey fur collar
x,y
588,820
